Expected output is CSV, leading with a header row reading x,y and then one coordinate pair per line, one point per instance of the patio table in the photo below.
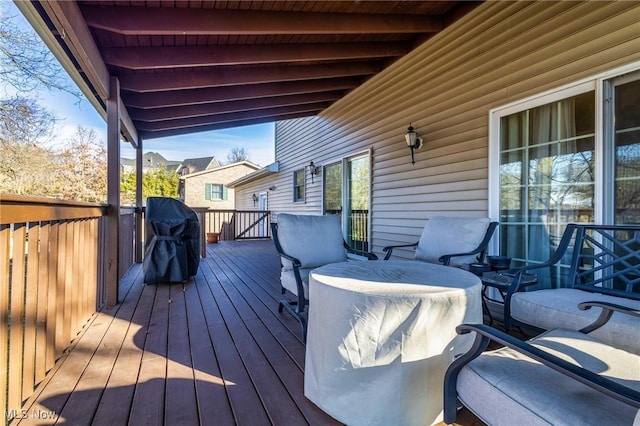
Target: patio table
x,y
381,336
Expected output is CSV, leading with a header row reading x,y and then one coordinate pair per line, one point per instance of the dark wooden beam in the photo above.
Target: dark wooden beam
x,y
310,109
186,111
188,21
194,56
227,125
224,94
231,76
112,249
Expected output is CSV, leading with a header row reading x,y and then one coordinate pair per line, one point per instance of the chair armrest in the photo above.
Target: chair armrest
x,y
368,255
389,249
484,334
446,258
294,260
607,311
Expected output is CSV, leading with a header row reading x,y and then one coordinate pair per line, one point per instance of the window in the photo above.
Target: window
x,y
298,185
215,191
549,169
346,192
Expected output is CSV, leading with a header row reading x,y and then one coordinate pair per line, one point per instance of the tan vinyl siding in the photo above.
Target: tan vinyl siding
x,y
244,193
499,53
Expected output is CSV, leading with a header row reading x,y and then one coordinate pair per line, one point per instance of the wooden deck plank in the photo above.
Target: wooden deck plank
x,y
115,405
148,398
245,401
211,392
288,371
280,407
283,326
253,264
180,396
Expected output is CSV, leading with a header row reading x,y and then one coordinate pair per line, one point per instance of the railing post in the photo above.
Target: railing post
x,y
113,193
139,207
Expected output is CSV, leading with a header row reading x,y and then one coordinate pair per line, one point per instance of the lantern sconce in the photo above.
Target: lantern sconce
x,y
414,142
255,199
313,170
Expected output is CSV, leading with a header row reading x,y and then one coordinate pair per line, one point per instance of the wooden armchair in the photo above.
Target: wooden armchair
x,y
454,241
305,242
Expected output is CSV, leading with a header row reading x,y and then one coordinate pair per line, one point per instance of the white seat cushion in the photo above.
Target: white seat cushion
x,y
288,280
504,387
449,235
558,307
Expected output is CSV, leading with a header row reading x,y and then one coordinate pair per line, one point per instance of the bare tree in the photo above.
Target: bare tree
x,y
25,62
237,154
82,168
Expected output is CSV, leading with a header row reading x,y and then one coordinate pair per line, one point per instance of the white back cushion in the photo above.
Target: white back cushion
x,y
314,240
449,235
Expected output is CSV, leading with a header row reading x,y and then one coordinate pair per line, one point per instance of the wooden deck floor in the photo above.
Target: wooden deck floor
x,y
211,351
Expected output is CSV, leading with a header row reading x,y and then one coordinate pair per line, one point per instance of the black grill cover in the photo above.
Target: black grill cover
x,y
172,241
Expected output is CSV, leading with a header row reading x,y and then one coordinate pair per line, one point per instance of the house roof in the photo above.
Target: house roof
x,y
192,66
271,169
199,164
152,160
217,169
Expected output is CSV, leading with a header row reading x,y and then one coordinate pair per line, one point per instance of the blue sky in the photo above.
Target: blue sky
x,y
258,140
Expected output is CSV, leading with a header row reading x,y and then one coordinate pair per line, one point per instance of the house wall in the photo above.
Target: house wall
x,y
244,193
195,185
499,53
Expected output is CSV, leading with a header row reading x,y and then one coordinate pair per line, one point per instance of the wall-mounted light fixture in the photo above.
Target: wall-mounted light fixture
x,y
414,142
313,170
255,199
272,188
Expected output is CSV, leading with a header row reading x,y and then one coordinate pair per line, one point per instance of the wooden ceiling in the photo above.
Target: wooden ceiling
x,y
190,66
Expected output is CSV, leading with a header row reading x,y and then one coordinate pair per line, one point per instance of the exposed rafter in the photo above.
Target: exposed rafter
x,y
168,21
309,109
235,93
161,114
139,58
232,76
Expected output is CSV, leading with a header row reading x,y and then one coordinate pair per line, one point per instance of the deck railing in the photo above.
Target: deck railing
x,y
238,224
51,283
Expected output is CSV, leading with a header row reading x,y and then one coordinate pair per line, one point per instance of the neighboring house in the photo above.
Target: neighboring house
x,y
194,165
209,188
150,161
516,104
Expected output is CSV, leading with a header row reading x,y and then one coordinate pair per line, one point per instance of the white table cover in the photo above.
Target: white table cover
x,y
381,336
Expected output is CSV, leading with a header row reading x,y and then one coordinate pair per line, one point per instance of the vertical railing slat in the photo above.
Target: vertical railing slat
x,y
60,288
43,292
5,247
16,330
52,307
31,305
67,282
75,283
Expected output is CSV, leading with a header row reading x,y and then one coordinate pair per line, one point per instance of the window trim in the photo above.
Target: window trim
x,y
303,186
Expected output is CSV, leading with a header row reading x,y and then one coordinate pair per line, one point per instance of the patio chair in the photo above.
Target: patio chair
x,y
452,241
306,242
562,376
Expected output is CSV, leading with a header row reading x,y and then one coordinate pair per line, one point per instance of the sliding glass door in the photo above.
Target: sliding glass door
x,y
552,170
346,192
